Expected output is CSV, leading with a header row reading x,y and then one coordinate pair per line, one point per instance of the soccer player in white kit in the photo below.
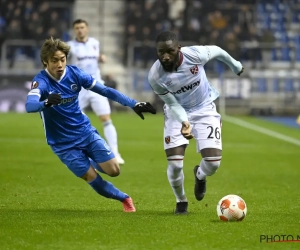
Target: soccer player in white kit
x,y
179,79
85,54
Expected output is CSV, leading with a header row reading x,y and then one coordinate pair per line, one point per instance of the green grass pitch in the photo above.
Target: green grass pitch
x,y
43,206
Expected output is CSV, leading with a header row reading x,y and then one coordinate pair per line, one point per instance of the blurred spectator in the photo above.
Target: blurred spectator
x,y
146,51
232,45
254,51
13,32
33,20
214,38
245,16
52,32
217,20
229,24
9,11
44,13
56,24
2,30
176,7
267,37
110,81
28,9
33,24
240,33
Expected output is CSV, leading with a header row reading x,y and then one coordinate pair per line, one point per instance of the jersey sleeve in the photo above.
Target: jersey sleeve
x,y
36,95
158,89
203,53
38,88
169,99
85,80
209,52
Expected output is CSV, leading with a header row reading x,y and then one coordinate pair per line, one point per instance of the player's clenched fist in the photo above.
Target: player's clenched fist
x,y
186,130
53,99
241,72
142,107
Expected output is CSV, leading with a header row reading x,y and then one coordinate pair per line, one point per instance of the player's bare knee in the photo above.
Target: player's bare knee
x,y
114,170
212,164
90,175
111,167
84,177
180,150
105,118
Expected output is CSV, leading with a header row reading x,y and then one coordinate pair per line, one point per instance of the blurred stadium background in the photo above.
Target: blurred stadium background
x,y
42,205
263,34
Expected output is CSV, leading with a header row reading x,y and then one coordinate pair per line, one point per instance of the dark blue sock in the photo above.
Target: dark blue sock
x,y
96,166
107,189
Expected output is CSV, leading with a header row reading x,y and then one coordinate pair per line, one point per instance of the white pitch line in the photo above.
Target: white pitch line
x,y
261,130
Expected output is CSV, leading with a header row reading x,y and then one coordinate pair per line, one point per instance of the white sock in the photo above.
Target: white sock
x,y
110,134
201,174
176,176
208,166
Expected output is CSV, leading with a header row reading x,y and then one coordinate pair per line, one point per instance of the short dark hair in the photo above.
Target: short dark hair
x,y
77,21
166,36
50,46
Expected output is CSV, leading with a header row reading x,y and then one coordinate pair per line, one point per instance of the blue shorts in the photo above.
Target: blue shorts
x,y
76,156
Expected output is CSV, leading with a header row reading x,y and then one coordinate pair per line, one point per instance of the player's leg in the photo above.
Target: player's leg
x,y
78,162
176,177
207,133
174,145
101,108
99,151
211,159
107,189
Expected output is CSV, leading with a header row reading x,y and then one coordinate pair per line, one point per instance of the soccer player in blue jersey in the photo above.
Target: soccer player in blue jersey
x,y
54,94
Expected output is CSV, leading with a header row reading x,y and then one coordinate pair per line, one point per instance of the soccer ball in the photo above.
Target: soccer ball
x,y
232,208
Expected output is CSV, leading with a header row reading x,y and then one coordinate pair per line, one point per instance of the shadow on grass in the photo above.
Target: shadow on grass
x,y
217,221
82,213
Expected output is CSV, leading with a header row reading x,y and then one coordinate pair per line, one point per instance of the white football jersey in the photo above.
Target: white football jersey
x,y
188,83
85,56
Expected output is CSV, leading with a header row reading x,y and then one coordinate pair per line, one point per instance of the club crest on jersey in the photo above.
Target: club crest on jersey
x,y
74,87
167,139
194,70
168,83
34,85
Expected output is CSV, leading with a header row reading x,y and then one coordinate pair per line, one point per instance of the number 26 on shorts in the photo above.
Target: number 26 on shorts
x,y
214,133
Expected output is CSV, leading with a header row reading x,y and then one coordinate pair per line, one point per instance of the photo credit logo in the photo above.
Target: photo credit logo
x,y
276,238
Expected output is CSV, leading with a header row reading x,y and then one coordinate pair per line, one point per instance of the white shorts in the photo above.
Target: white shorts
x,y
99,103
206,128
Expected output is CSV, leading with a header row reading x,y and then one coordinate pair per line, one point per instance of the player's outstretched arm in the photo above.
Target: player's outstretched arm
x,y
222,55
33,103
141,107
115,95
